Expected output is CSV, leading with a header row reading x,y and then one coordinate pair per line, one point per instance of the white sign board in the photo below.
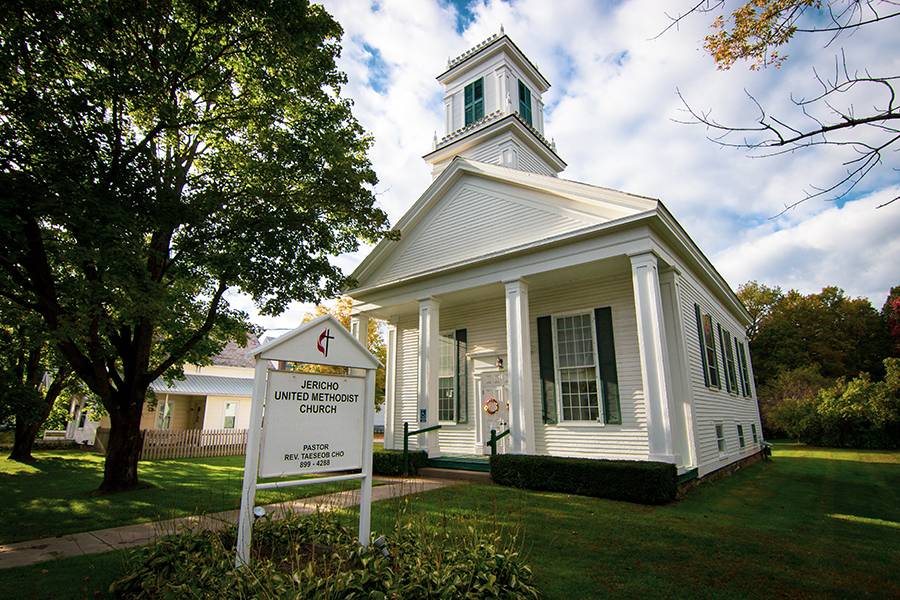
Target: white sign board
x,y
312,424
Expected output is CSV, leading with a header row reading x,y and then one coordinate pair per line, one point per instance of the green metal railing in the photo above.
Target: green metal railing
x,y
406,434
496,438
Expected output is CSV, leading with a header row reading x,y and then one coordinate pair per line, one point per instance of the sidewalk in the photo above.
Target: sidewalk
x,y
21,554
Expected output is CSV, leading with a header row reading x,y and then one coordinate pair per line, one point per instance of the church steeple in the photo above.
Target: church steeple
x,y
493,110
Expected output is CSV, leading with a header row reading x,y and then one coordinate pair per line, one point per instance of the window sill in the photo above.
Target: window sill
x,y
579,424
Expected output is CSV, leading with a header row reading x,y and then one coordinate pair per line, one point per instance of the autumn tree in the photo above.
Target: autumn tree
x,y
842,336
758,33
154,155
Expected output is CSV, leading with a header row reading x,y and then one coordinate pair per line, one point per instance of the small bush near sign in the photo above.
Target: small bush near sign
x,y
634,481
390,462
314,556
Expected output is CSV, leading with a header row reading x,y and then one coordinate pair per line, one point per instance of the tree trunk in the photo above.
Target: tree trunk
x,y
123,450
26,431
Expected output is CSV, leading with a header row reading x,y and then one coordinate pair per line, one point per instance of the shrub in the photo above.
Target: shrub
x,y
314,556
635,481
859,413
390,462
785,393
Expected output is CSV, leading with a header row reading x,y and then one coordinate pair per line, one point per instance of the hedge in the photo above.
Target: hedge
x,y
390,462
643,482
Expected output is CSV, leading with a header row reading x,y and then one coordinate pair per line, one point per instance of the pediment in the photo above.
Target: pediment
x,y
478,217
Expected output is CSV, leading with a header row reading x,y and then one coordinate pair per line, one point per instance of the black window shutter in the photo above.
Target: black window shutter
x,y
462,377
738,368
606,351
546,367
702,345
724,358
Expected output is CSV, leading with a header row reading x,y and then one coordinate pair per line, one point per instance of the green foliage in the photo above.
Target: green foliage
x,y
153,156
843,336
890,312
859,413
314,556
635,481
390,462
758,299
788,386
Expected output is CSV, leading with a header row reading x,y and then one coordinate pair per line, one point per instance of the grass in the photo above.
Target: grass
x,y
55,495
812,523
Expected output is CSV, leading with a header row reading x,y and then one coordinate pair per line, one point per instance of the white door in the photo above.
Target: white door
x,y
493,407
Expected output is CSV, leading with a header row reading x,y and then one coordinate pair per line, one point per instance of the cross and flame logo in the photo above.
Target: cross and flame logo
x,y
322,342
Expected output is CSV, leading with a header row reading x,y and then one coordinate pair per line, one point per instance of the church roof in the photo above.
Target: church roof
x,y
235,355
498,212
492,43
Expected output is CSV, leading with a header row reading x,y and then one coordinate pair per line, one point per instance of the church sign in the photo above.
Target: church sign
x,y
309,423
312,424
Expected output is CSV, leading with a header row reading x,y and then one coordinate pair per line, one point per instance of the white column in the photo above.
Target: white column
x,y
390,384
654,356
518,350
539,120
448,115
429,363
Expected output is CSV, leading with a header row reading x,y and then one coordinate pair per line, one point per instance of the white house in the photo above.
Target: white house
x,y
582,318
216,396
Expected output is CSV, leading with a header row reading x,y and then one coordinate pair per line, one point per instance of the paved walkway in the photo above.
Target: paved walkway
x,y
20,554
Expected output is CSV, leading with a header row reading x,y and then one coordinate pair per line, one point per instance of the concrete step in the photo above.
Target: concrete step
x,y
457,474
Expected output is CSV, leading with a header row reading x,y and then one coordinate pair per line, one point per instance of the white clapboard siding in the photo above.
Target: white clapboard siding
x,y
712,405
450,234
485,324
628,440
529,161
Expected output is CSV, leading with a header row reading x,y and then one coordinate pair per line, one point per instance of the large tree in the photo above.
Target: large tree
x,y
32,376
841,336
758,299
854,109
155,154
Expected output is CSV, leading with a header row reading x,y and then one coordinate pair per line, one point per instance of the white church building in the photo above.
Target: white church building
x,y
583,319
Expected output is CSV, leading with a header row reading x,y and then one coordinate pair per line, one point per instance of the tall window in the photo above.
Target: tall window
x,y
720,438
709,343
164,414
473,95
730,370
577,368
753,431
230,414
524,102
447,379
741,441
745,373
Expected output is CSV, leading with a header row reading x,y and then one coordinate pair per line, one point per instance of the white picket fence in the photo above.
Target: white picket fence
x,y
192,443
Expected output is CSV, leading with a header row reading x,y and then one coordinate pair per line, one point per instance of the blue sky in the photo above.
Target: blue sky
x,y
612,110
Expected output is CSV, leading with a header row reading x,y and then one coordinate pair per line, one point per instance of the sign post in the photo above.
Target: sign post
x,y
310,423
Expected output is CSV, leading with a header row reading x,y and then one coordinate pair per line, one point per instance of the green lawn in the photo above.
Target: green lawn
x,y
812,523
54,495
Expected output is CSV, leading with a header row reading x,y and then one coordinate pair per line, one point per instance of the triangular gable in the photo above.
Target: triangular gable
x,y
475,209
322,341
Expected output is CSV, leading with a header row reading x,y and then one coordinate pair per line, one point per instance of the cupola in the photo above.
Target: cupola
x,y
494,110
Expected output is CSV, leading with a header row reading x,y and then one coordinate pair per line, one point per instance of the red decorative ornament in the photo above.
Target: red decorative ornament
x,y
490,405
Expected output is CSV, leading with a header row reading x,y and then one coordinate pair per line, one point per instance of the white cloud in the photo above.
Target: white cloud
x,y
855,247
611,115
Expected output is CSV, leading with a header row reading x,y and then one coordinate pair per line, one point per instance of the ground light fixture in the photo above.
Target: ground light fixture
x,y
259,512
381,543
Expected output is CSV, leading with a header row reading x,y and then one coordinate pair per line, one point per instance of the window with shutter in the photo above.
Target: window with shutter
x,y
576,367
462,376
473,101
547,370
745,371
447,379
709,347
730,369
524,102
606,354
